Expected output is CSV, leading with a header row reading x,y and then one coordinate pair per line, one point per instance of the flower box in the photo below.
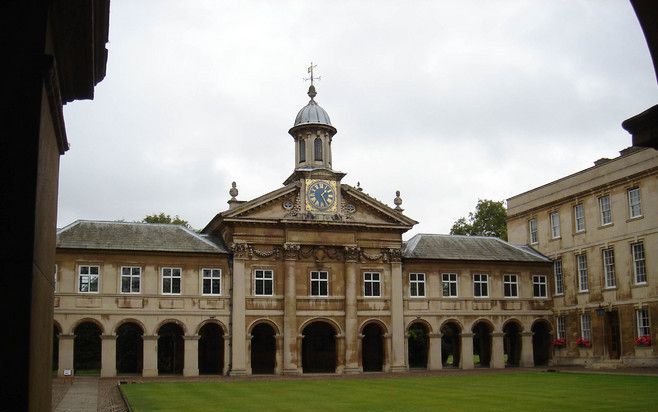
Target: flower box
x,y
559,343
583,343
643,341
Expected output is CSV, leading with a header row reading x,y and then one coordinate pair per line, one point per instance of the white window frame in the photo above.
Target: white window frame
x,y
605,210
174,273
130,276
583,275
264,276
416,285
554,218
559,276
579,217
560,327
634,203
210,275
639,263
90,275
319,278
372,279
586,326
450,280
512,281
540,285
532,229
480,279
643,324
608,259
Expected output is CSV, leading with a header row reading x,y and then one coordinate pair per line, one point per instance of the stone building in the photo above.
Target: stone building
x,y
600,228
313,277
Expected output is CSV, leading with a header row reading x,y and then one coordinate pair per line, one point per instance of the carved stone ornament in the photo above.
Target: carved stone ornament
x,y
240,250
395,255
291,251
374,257
352,253
296,208
275,252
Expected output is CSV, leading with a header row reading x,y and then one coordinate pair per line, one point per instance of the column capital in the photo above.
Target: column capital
x,y
241,251
435,335
67,336
527,333
227,337
108,337
352,253
291,251
497,334
150,337
191,337
466,335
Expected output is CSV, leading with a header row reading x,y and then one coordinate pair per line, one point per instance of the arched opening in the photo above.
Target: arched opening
x,y
541,343
302,150
512,343
56,333
450,345
171,349
211,349
130,349
372,348
263,349
319,348
482,344
87,349
418,345
317,149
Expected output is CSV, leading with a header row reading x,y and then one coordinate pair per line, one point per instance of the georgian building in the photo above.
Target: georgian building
x,y
313,277
600,228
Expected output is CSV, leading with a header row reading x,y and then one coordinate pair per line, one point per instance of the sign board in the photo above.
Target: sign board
x,y
68,372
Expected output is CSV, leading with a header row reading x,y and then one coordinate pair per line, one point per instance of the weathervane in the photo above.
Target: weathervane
x,y
310,70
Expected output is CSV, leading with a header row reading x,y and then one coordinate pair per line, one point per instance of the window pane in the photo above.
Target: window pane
x,y
93,284
215,286
175,285
375,289
206,286
421,289
268,287
125,284
135,284
166,285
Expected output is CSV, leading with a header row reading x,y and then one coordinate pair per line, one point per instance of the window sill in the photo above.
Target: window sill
x,y
416,297
610,288
211,295
607,225
640,285
555,238
582,292
130,293
634,218
580,232
510,297
558,295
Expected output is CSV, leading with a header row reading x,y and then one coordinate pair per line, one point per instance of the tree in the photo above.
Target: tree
x,y
489,219
162,218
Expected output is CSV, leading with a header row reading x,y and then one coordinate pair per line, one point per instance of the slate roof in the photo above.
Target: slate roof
x,y
477,248
93,234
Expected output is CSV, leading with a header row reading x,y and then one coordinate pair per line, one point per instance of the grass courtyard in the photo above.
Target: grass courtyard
x,y
530,391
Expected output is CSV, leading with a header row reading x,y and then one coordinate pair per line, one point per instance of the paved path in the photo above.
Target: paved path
x,y
82,396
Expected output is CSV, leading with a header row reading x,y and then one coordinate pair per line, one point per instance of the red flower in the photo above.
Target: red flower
x,y
560,342
583,343
643,341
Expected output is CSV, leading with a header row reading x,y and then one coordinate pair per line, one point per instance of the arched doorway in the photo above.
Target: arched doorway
x,y
130,348
263,349
56,332
211,349
450,345
319,348
372,348
87,349
171,349
418,345
541,342
512,343
482,344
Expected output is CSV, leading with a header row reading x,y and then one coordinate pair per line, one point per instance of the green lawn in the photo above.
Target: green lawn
x,y
531,391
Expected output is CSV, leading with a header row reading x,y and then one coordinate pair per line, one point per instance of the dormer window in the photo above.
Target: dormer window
x,y
317,145
302,150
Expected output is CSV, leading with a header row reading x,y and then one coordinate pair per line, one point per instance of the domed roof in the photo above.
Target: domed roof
x,y
312,113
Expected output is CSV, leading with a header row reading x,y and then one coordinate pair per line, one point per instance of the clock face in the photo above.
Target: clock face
x,y
320,195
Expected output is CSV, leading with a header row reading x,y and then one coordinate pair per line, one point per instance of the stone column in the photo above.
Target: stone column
x,y
434,361
527,358
150,355
351,321
398,361
65,353
387,352
191,358
238,331
108,356
247,344
278,367
227,354
497,351
290,347
466,360
300,342
340,353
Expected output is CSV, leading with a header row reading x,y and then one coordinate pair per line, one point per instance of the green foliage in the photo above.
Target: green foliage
x,y
162,218
489,219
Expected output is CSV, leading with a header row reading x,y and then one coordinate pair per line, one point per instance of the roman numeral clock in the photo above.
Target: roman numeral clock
x,y
321,196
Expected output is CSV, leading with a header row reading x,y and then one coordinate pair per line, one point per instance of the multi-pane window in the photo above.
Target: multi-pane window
x,y
609,268
639,266
634,208
586,326
559,277
449,283
532,228
416,285
555,225
643,328
171,281
604,208
480,285
579,217
561,328
372,284
211,281
263,282
583,282
319,283
539,286
510,286
131,277
88,278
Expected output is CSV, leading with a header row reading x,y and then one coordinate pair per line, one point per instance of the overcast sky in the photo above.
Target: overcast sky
x,y
447,102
